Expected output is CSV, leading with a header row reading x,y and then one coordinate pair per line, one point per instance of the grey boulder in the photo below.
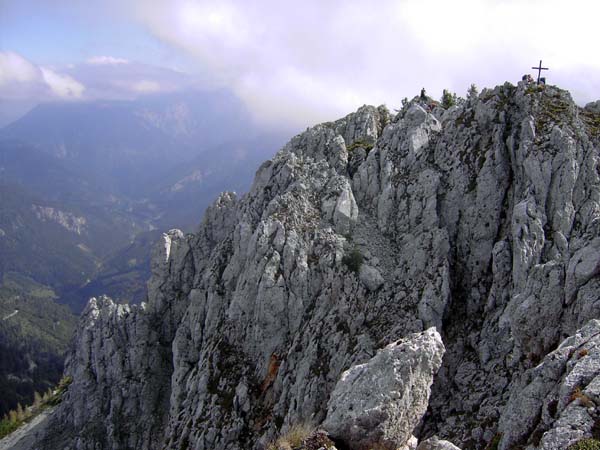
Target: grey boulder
x,y
379,403
433,443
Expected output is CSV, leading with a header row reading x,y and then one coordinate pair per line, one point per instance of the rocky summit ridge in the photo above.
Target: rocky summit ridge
x,y
430,272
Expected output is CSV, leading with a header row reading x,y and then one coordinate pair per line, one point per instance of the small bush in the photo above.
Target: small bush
x,y
293,438
63,385
360,143
585,444
583,399
353,260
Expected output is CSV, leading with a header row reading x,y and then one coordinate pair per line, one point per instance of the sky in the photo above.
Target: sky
x,y
291,63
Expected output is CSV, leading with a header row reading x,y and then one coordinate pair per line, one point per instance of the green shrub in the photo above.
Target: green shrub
x,y
585,444
7,426
360,143
63,385
448,99
353,260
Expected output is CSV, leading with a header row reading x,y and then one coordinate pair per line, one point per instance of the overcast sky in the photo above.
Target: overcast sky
x,y
292,63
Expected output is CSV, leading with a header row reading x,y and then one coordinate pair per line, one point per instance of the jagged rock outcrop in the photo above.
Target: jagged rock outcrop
x,y
555,404
481,220
378,404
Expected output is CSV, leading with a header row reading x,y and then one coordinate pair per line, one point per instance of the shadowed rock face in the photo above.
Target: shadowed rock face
x,y
481,220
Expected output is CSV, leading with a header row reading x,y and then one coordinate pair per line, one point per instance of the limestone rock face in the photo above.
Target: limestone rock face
x,y
482,220
555,404
379,403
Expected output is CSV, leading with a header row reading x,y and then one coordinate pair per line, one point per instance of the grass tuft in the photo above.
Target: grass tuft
x,y
293,438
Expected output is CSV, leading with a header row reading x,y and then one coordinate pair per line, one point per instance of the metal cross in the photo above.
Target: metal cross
x,y
539,69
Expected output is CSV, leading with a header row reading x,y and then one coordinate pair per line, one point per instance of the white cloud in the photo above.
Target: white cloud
x,y
16,69
62,85
21,79
299,62
146,86
24,84
106,60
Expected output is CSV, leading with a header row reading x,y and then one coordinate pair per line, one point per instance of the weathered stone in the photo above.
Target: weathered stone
x,y
371,277
379,403
411,444
554,404
434,443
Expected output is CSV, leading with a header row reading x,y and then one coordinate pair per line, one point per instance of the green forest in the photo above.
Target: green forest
x,y
34,335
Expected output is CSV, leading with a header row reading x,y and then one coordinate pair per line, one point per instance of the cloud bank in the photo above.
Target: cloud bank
x,y
24,84
313,60
104,77
21,79
103,60
295,64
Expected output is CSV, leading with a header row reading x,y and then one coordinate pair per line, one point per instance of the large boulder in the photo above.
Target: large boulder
x,y
380,402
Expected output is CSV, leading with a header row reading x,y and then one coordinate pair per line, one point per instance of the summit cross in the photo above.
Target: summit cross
x,y
539,69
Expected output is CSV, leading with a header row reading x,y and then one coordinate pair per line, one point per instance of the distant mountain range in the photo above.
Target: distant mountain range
x,y
125,146
79,181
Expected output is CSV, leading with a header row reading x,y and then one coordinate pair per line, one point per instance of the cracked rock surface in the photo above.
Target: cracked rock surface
x,y
482,221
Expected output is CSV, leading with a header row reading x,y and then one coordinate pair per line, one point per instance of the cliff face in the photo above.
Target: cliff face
x,y
482,220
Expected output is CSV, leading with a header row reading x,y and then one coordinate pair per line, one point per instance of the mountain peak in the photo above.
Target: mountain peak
x,y
479,220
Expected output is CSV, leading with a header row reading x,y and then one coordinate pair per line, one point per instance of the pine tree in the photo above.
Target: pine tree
x,y
37,399
473,92
448,99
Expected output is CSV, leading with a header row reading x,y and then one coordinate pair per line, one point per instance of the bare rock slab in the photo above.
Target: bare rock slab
x,y
380,402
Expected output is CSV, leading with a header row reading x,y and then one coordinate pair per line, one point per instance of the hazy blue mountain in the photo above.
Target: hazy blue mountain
x,y
79,181
127,145
43,240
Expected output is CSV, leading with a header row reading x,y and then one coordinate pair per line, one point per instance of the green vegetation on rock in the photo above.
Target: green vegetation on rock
x,y
362,144
586,444
353,260
19,416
